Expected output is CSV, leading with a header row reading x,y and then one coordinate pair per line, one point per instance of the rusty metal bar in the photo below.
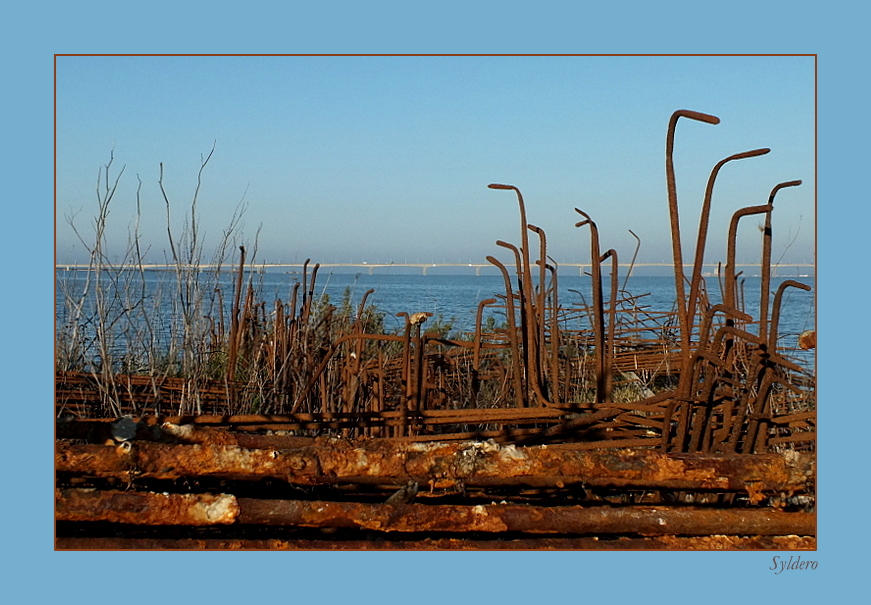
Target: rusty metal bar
x,y
207,509
418,386
730,298
521,303
540,312
232,346
527,295
527,519
145,508
521,396
329,355
766,261
598,310
695,281
569,426
612,323
554,332
675,218
440,464
775,312
703,228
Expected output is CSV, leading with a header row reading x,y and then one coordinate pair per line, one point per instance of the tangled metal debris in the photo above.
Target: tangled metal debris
x,y
543,396
722,384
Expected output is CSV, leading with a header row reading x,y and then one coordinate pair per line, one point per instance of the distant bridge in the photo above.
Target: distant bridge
x,y
424,267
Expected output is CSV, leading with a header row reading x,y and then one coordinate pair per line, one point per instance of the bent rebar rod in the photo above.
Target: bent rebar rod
x,y
674,216
598,311
554,336
520,394
632,262
695,281
766,260
527,300
524,326
541,309
478,319
703,230
729,296
554,328
775,312
612,321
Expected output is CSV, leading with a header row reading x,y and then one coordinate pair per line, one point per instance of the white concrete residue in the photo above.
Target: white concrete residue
x,y
511,451
222,509
178,430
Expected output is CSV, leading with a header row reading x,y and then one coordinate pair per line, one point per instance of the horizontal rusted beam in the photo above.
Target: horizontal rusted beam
x,y
76,429
442,465
145,508
209,509
526,519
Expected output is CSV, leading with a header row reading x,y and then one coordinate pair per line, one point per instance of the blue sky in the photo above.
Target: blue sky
x,y
379,159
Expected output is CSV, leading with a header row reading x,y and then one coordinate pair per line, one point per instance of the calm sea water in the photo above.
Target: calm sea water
x,y
455,298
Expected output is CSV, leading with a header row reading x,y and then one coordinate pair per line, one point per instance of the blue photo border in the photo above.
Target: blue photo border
x,y
36,573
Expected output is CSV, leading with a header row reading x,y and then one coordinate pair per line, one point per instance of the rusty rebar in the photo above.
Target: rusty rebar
x,y
520,394
527,299
232,346
695,281
524,365
612,322
554,331
766,260
775,312
540,312
598,309
671,185
729,296
442,465
476,357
